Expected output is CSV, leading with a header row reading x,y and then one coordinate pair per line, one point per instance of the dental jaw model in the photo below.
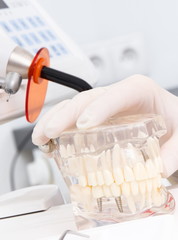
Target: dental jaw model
x,y
114,170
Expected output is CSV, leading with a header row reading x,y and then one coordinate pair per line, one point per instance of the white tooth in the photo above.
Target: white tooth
x,y
131,204
115,189
106,191
142,202
92,148
97,192
157,149
139,171
63,151
149,185
108,158
157,200
116,155
154,150
118,175
142,187
86,198
79,140
82,180
100,178
150,168
134,188
92,181
75,192
159,164
69,150
156,182
108,179
148,200
128,174
87,150
125,187
107,175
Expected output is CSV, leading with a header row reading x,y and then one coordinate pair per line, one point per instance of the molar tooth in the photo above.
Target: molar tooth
x,y
156,182
139,171
157,200
142,201
142,187
106,191
148,199
115,189
97,192
118,175
134,188
128,174
100,178
125,187
149,185
150,168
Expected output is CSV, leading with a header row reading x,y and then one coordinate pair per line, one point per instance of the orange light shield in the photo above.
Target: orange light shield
x,y
37,86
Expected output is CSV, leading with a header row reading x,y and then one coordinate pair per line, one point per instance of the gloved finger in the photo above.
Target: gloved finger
x,y
66,117
169,155
38,136
121,97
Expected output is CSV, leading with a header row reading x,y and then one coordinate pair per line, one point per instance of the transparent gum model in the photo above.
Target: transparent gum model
x,y
114,171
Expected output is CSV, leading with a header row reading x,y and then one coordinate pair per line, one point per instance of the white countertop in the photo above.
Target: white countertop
x,y
49,225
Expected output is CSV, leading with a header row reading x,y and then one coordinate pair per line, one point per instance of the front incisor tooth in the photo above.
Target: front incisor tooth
x,y
134,188
100,178
97,192
82,180
150,168
92,181
118,175
108,178
125,187
128,174
106,191
115,189
139,171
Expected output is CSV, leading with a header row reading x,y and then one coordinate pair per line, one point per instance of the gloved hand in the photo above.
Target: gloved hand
x,y
134,95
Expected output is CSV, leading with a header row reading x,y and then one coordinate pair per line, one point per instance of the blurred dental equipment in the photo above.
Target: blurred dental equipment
x,y
30,44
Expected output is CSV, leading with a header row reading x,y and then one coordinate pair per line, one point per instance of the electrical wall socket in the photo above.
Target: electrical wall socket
x,y
118,58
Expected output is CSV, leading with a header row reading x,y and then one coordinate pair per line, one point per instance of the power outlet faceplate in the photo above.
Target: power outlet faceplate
x,y
118,58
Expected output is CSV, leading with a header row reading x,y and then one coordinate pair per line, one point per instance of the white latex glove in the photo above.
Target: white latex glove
x,y
134,95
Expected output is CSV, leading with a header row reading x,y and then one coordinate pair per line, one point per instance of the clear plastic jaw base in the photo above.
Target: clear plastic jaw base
x,y
85,220
114,171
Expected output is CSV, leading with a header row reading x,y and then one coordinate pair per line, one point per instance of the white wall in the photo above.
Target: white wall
x,y
92,20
